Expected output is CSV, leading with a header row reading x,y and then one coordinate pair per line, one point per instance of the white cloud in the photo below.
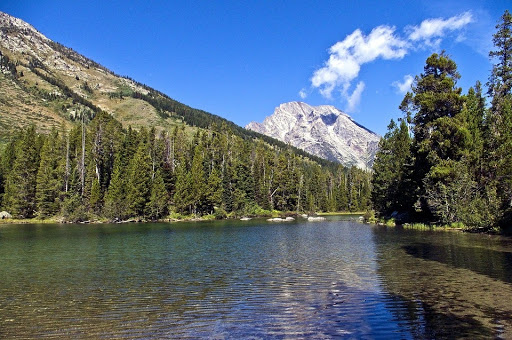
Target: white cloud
x,y
405,85
432,28
354,99
346,57
303,94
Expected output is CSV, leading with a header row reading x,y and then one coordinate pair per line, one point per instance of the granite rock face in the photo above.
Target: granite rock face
x,y
324,131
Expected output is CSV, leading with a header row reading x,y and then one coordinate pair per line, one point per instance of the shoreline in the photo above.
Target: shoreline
x,y
59,220
436,227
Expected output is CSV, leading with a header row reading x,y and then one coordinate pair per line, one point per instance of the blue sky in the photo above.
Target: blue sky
x,y
241,59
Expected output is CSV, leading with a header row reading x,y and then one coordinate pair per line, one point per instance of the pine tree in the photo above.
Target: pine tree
x,y
182,197
95,197
159,198
389,193
472,116
499,119
6,162
49,182
439,140
115,200
20,188
500,82
139,181
214,189
341,189
198,181
228,185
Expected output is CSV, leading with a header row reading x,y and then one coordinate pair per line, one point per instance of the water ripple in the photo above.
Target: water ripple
x,y
226,280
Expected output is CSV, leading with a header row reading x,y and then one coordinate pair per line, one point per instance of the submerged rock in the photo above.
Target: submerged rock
x,y
316,218
278,219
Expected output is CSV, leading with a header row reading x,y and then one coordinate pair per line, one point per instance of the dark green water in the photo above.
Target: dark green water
x,y
333,279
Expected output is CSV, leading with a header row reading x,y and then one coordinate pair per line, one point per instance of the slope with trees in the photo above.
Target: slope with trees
x,y
100,170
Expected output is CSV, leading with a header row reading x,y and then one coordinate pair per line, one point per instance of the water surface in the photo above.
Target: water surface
x,y
232,279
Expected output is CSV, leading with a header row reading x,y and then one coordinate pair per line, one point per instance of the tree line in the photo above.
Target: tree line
x,y
101,170
449,159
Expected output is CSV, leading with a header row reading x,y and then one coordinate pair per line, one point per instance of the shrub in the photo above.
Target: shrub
x,y
219,213
369,217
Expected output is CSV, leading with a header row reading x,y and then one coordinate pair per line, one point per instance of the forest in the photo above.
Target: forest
x,y
100,170
449,159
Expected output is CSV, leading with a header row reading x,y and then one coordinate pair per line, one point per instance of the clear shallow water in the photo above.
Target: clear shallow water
x,y
334,279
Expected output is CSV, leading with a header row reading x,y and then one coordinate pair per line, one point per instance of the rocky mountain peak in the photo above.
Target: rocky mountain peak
x,y
13,29
322,130
10,22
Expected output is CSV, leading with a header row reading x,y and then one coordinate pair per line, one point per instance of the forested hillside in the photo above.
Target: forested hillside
x,y
80,142
449,160
105,171
49,85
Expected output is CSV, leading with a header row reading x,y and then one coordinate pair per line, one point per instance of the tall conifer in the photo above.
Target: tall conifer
x,y
49,181
20,188
139,181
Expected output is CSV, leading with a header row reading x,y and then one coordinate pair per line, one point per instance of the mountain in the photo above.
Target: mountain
x,y
49,85
323,131
46,84
193,162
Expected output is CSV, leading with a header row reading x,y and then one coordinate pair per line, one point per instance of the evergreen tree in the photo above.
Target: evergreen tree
x,y
95,197
20,188
49,182
94,171
439,140
389,193
115,197
500,81
158,201
139,181
499,120
6,162
198,181
183,199
472,116
341,189
227,184
214,189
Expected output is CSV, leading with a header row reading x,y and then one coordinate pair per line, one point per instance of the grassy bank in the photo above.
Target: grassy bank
x,y
369,217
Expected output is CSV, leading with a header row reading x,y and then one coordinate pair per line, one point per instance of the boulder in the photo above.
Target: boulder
x,y
277,219
5,215
316,218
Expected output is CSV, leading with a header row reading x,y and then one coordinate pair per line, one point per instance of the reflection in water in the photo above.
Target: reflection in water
x,y
450,288
335,279
493,263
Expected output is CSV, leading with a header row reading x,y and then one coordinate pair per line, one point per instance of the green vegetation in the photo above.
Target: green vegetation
x,y
102,171
449,162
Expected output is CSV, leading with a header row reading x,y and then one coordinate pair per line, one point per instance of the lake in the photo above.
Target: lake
x,y
252,279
